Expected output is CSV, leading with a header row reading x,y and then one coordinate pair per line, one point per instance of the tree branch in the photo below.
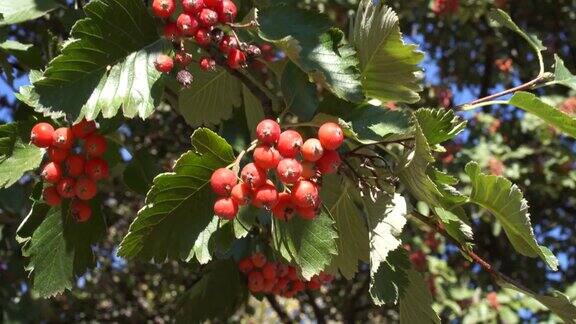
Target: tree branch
x,y
256,91
278,309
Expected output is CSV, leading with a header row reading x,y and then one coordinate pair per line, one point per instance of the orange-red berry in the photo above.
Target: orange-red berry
x,y
42,135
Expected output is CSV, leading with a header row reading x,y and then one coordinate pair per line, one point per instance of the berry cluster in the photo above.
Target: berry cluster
x,y
301,177
70,174
445,7
199,21
277,278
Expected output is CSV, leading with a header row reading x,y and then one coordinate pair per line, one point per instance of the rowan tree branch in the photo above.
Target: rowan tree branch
x,y
256,91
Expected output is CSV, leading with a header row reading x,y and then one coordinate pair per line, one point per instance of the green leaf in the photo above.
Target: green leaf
x,y
211,97
140,171
253,110
201,250
178,206
16,158
245,220
107,64
503,19
390,281
300,95
310,244
309,41
457,229
557,302
562,75
352,241
389,67
15,12
549,114
416,302
439,125
217,295
373,124
60,249
27,54
505,201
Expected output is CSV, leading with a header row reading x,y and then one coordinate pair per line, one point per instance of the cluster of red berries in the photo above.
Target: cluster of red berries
x,y
301,177
444,7
72,175
199,21
277,278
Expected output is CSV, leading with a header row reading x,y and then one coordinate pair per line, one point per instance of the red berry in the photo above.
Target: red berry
x,y
222,181
331,136
42,135
236,58
164,63
314,283
312,150
96,168
227,11
258,259
57,155
269,285
418,259
305,194
255,281
207,64
265,196
51,196
268,131
282,271
63,138
289,171
86,188
298,285
192,6
187,24
253,175
325,277
183,58
171,31
269,271
241,194
66,187
309,170
225,208
284,209
95,145
307,213
84,128
268,52
266,157
227,43
289,143
74,165
207,17
329,163
292,273
202,37
212,3
52,172
163,8
81,211
245,265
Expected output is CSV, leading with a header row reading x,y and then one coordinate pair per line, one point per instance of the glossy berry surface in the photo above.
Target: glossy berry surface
x,y
253,175
227,11
266,157
207,17
225,208
163,8
52,172
57,155
81,211
331,136
96,168
289,143
241,193
83,128
307,213
51,196
66,187
309,170
329,163
95,145
268,131
289,171
202,37
227,43
171,32
207,64
192,6
187,24
164,63
305,194
86,188
42,135
265,196
236,58
222,181
74,165
182,58
312,150
284,209
63,138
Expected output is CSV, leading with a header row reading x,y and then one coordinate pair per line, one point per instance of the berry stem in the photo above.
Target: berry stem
x,y
250,24
236,164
